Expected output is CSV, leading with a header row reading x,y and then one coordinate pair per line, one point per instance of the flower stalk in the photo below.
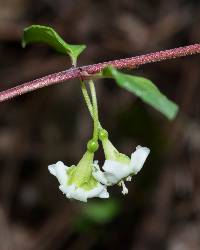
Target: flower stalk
x,y
95,111
86,97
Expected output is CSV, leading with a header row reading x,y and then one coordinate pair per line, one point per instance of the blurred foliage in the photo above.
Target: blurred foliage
x,y
97,213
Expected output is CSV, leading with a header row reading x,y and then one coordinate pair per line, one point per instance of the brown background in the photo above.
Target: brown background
x,y
162,209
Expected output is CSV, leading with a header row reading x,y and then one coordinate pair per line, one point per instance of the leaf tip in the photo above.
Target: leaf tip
x,y
172,115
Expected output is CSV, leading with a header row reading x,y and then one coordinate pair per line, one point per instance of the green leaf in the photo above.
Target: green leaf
x,y
47,35
144,89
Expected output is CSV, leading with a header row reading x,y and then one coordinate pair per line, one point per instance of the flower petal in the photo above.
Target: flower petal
x,y
82,195
59,170
99,191
67,189
115,171
79,194
138,158
99,175
104,194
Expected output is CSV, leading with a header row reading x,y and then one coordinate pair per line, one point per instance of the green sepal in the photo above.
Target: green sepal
x,y
81,175
111,153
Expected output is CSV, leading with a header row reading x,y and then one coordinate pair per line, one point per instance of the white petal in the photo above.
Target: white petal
x,y
67,189
115,171
97,191
104,194
59,170
80,194
138,158
52,170
71,191
99,175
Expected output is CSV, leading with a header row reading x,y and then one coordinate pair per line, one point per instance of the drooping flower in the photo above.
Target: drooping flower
x,y
118,167
77,182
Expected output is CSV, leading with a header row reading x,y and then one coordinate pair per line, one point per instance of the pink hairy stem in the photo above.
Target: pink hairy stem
x,y
72,73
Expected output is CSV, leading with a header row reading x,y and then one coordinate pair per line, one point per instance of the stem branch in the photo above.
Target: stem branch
x,y
73,73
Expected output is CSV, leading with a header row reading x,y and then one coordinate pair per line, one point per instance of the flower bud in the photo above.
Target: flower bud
x,y
92,145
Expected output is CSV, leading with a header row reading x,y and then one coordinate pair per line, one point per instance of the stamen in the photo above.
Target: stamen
x,y
129,178
124,188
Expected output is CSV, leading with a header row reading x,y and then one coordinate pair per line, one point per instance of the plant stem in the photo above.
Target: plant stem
x,y
88,101
86,97
95,110
132,62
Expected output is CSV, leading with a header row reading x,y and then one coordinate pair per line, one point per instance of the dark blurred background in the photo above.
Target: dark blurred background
x,y
162,209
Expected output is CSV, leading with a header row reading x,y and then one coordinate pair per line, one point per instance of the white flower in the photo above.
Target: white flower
x,y
119,167
117,170
77,182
